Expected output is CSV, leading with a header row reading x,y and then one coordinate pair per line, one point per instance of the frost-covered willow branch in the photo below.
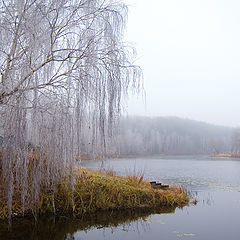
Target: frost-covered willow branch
x,y
64,71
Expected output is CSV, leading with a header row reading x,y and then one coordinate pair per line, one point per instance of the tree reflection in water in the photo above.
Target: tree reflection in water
x,y
64,228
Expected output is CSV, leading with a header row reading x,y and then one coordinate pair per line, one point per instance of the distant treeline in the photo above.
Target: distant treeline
x,y
160,135
171,135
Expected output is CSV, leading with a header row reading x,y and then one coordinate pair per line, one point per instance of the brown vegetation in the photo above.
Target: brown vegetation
x,y
230,155
93,191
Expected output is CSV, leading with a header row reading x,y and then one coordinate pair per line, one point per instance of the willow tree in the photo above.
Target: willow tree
x,y
64,72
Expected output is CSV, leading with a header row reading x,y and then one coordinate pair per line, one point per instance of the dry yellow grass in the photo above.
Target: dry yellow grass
x,y
98,190
229,155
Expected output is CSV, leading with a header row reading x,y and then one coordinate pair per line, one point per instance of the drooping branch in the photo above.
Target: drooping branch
x,y
62,82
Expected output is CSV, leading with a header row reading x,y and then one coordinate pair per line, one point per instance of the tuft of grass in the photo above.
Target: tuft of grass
x,y
194,201
98,190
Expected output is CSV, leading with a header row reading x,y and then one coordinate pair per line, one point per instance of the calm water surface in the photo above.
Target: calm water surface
x,y
214,182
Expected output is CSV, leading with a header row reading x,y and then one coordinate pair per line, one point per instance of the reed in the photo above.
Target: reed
x,y
93,191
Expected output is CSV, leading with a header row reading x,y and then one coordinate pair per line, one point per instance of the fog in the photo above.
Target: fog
x,y
190,56
172,135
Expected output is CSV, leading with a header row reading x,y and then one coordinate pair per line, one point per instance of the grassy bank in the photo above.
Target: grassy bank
x,y
229,155
96,190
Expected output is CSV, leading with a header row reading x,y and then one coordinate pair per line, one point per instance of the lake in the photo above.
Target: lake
x,y
214,182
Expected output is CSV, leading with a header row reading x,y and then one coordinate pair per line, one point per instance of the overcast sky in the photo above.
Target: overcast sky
x,y
189,51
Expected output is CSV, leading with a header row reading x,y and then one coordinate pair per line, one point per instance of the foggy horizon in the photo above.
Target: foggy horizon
x,y
189,53
99,141
128,114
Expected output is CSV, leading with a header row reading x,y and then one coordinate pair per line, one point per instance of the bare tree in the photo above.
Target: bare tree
x,y
64,70
236,141
171,135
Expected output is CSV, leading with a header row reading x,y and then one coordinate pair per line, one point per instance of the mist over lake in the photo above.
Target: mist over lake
x,y
119,119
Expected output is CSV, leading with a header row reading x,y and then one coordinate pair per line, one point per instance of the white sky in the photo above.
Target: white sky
x,y
189,51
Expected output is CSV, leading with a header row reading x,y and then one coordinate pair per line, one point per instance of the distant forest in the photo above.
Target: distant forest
x,y
160,135
172,135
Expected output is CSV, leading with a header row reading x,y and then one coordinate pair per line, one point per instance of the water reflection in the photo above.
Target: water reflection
x,y
214,183
64,228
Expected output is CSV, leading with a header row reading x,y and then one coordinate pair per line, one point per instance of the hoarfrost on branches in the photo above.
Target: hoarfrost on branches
x,y
64,71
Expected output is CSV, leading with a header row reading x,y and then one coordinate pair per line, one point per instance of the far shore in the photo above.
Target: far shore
x,y
228,155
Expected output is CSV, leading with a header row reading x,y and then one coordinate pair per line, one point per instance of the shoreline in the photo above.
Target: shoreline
x,y
226,155
98,191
